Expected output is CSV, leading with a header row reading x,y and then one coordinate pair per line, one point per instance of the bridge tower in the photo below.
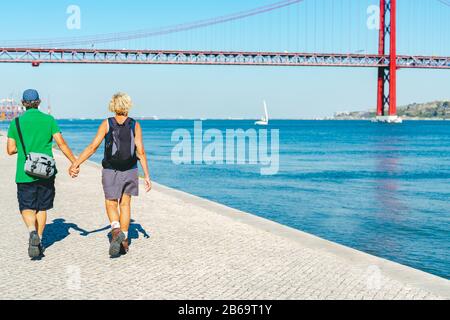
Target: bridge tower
x,y
387,76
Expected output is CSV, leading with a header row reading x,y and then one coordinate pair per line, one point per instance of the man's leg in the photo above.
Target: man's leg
x,y
29,217
34,242
41,221
27,197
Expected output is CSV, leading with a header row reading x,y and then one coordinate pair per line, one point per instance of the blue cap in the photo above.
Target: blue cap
x,y
30,95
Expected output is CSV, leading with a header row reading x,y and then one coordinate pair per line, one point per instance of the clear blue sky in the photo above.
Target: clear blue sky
x,y
207,91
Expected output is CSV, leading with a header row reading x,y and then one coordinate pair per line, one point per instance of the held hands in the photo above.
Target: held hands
x,y
74,170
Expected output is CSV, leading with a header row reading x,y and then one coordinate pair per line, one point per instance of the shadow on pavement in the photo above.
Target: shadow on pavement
x,y
133,232
58,230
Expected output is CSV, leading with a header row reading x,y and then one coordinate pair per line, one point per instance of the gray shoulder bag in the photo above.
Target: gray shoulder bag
x,y
37,165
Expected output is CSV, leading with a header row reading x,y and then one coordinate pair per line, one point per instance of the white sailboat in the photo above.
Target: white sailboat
x,y
265,119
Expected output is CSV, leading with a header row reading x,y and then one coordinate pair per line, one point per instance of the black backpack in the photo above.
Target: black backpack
x,y
120,147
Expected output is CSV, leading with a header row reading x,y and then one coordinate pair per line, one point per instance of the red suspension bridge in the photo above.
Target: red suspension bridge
x,y
386,60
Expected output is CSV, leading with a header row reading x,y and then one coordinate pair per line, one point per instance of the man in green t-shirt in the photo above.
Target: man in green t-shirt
x,y
35,195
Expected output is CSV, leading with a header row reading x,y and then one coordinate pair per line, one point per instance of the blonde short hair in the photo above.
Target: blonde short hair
x,y
120,104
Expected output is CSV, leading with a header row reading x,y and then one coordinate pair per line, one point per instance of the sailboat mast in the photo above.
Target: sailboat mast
x,y
266,113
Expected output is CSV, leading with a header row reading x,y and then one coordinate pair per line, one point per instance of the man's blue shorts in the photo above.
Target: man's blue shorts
x,y
37,196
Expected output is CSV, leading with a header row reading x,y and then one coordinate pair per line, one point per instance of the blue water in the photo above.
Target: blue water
x,y
382,189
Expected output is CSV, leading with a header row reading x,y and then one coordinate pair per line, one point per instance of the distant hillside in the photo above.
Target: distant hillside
x,y
436,110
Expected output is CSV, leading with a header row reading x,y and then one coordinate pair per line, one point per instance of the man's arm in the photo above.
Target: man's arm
x,y
140,152
11,147
62,144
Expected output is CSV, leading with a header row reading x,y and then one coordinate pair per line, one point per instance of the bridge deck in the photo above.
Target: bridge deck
x,y
168,57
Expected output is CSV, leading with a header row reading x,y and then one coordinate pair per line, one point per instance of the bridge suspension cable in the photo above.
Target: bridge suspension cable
x,y
315,26
147,33
445,2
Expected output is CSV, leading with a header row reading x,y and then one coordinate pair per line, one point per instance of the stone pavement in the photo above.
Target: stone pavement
x,y
196,249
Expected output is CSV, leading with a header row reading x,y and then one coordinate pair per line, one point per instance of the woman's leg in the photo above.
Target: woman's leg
x,y
112,209
125,213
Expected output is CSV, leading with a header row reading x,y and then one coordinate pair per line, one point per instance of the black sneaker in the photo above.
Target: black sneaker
x,y
34,245
41,250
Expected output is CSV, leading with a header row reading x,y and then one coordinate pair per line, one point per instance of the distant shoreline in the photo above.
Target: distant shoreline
x,y
429,111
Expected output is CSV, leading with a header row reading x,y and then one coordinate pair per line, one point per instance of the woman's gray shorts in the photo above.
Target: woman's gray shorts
x,y
117,183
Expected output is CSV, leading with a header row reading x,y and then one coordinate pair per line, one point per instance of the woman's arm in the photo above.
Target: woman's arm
x,y
142,156
92,148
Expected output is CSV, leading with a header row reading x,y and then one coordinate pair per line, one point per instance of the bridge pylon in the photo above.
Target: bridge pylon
x,y
387,76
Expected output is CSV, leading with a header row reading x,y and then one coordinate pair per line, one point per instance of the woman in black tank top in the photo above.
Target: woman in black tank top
x,y
124,147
